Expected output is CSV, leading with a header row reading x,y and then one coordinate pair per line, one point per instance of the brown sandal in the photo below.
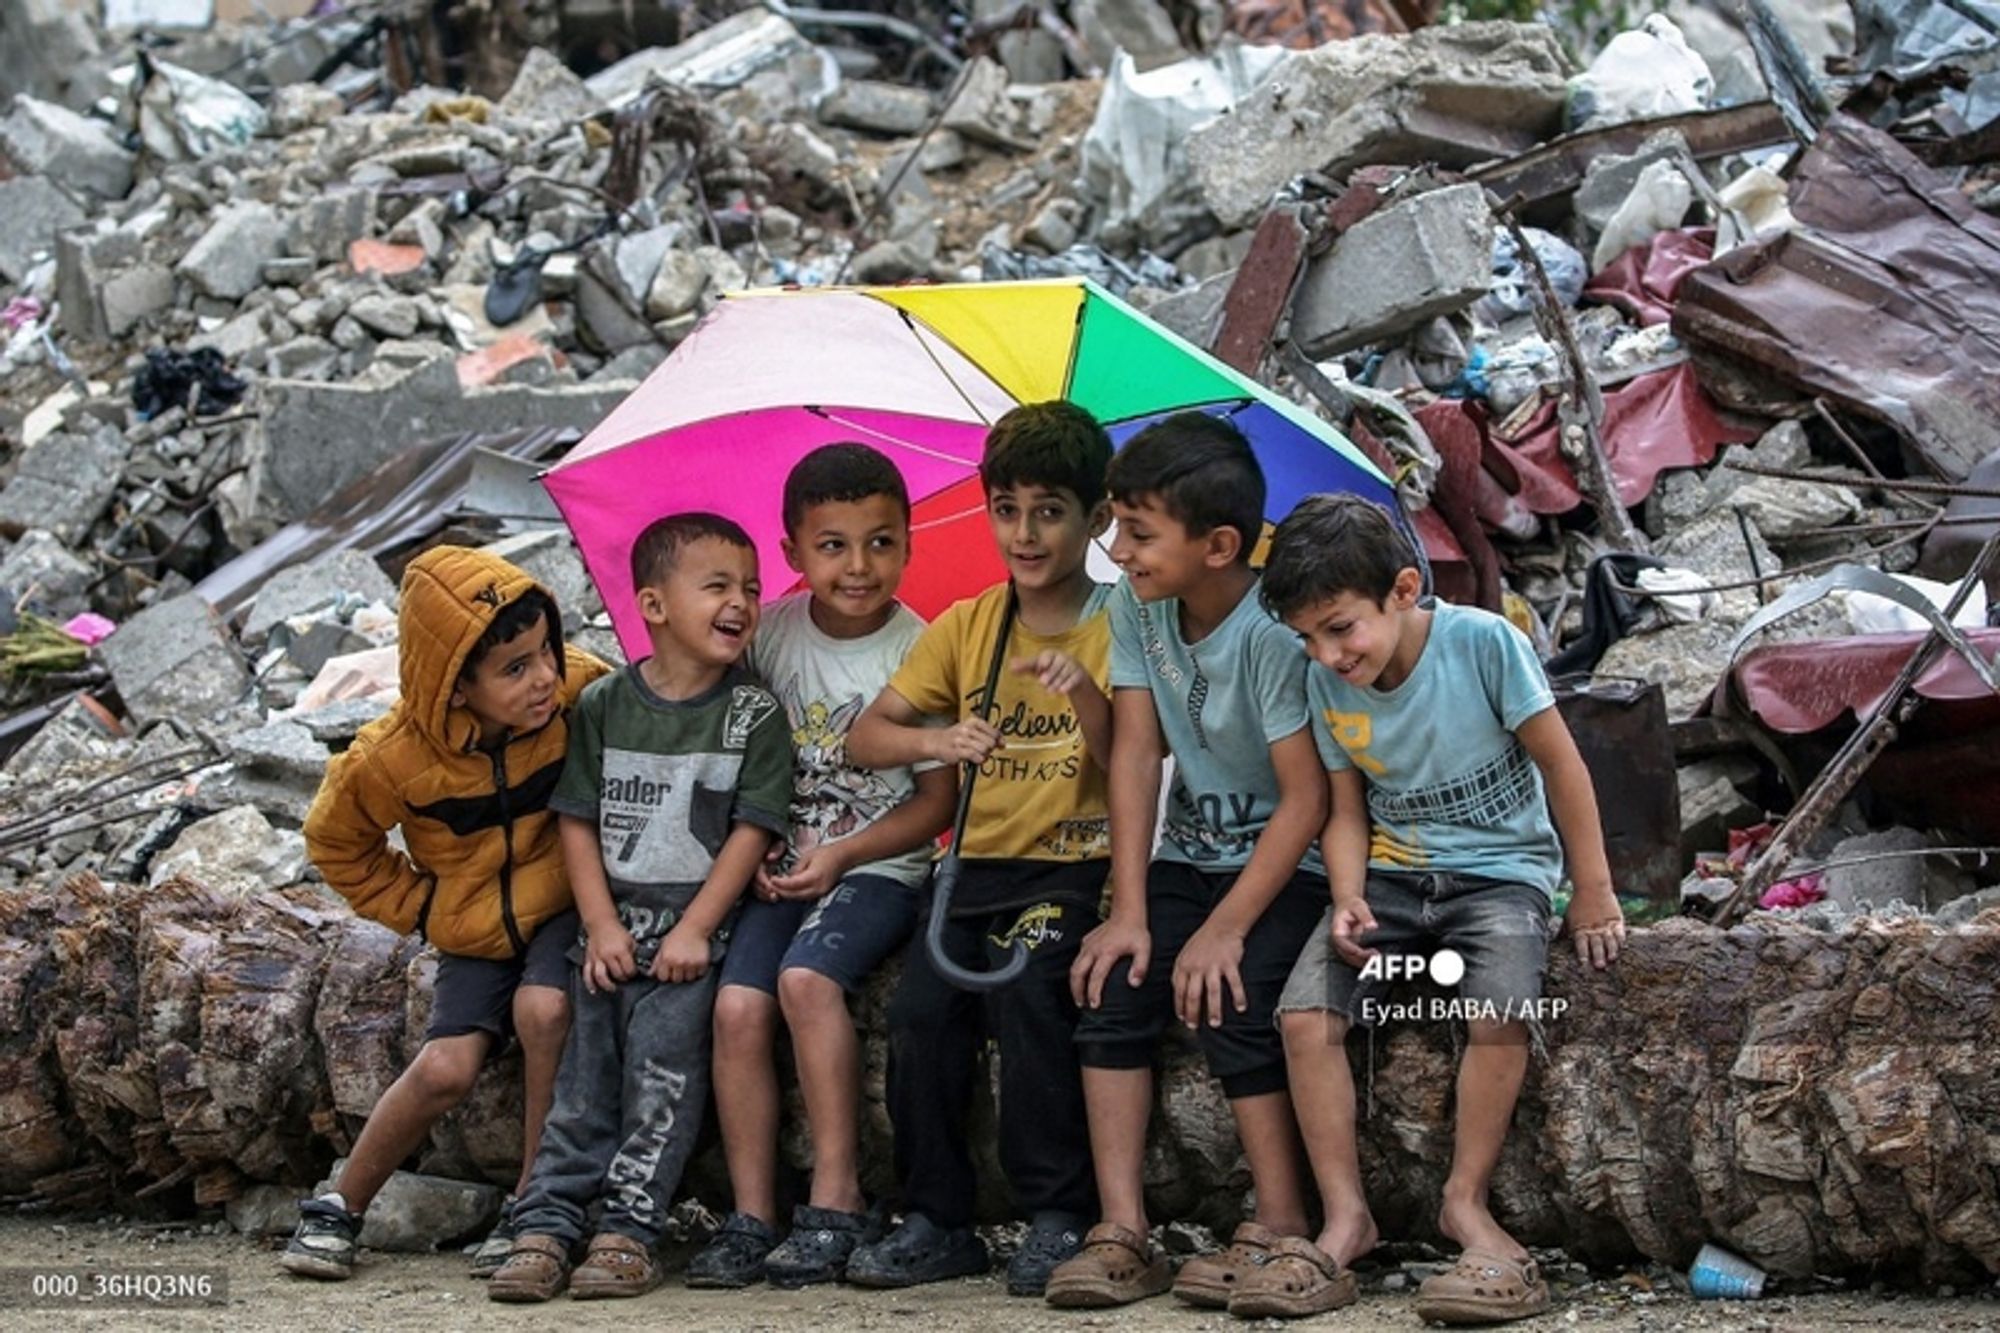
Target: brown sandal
x,y
1116,1266
1483,1288
614,1267
1209,1280
536,1270
1296,1279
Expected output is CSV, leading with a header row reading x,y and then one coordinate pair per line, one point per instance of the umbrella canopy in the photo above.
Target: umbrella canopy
x,y
921,373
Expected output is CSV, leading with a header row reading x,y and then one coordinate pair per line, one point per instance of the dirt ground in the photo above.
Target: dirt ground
x,y
433,1292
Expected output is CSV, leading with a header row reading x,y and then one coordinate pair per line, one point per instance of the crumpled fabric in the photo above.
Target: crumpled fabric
x,y
167,377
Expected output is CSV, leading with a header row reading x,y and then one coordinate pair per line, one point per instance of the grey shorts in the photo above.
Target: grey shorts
x,y
477,994
1499,929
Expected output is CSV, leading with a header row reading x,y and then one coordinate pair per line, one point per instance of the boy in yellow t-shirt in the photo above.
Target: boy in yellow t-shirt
x,y
1034,861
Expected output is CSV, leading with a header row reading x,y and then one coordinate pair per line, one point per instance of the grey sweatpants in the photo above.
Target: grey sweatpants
x,y
628,1105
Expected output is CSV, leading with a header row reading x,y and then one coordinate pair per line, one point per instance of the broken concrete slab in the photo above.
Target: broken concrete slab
x,y
677,285
982,110
1713,803
132,296
329,223
722,55
36,211
878,108
228,261
1788,511
40,572
551,558
283,750
1395,269
415,1213
1924,882
64,483
263,1211
318,437
175,660
315,585
236,852
545,89
1451,95
386,315
44,139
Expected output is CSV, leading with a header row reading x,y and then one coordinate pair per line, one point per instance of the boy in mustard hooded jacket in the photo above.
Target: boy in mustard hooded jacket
x,y
464,764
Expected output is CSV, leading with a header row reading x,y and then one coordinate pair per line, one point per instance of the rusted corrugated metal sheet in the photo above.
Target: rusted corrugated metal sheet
x,y
1884,297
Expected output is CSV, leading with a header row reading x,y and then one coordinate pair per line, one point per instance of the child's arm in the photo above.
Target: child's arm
x,y
1596,921
892,734
1213,956
1137,751
607,945
914,822
683,954
1344,844
347,836
1062,674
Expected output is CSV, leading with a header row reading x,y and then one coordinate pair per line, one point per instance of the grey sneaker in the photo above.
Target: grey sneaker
x,y
323,1246
1051,1239
499,1243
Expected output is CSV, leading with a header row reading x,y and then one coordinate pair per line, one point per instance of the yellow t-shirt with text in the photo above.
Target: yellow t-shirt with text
x,y
1039,797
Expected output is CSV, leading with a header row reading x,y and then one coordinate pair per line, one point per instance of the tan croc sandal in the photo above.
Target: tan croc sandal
x,y
537,1269
1483,1288
1116,1266
1209,1280
1296,1279
613,1268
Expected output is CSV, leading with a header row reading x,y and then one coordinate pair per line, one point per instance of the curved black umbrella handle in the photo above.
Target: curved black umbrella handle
x,y
962,977
947,875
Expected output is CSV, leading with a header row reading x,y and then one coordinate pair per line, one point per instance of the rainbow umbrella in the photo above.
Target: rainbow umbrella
x,y
921,373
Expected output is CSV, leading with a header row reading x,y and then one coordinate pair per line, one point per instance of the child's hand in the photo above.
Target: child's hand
x,y
1208,961
1597,925
764,882
969,742
607,958
1058,672
1351,921
1102,948
814,876
683,955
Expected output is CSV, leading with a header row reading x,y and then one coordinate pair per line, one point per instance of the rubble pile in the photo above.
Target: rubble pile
x,y
1650,340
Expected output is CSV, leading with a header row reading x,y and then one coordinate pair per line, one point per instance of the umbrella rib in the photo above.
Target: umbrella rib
x,y
887,438
911,324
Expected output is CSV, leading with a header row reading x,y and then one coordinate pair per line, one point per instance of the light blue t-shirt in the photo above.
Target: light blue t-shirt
x,y
1450,787
1222,703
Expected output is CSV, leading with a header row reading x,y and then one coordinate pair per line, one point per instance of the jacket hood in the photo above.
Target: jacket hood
x,y
450,595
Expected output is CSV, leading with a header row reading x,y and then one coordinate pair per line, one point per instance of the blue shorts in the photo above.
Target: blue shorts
x,y
844,936
1500,930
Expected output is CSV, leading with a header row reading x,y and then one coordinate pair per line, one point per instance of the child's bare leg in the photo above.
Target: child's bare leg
x,y
1489,1081
746,1097
1323,1093
1120,1102
829,1060
541,1023
436,1081
1270,1137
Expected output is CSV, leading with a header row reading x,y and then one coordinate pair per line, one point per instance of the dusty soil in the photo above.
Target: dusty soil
x,y
433,1292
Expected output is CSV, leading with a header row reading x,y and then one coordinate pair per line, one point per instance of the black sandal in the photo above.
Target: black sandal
x,y
821,1243
735,1255
916,1252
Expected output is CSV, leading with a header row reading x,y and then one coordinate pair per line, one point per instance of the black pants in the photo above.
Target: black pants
x,y
935,1033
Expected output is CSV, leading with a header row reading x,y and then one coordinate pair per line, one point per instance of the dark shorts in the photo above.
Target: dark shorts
x,y
844,936
477,994
1499,929
1245,1052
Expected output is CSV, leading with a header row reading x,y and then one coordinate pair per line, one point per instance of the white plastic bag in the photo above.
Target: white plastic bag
x,y
1649,71
1870,614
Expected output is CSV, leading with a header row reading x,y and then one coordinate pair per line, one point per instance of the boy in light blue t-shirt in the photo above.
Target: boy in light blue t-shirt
x,y
1451,775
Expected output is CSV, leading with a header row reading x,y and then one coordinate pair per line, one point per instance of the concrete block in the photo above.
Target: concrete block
x,y
416,1213
315,585
264,1210
42,570
329,223
677,285
282,750
982,110
43,139
236,852
236,339
549,555
1422,258
305,357
385,315
228,261
1451,95
130,297
548,90
175,660
879,108
63,484
1924,882
35,211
